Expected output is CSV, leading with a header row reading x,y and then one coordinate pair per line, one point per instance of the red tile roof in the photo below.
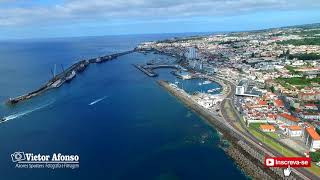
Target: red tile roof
x,y
295,128
272,116
289,117
267,127
314,135
278,103
263,103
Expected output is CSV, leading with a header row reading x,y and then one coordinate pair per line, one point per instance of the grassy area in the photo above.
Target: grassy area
x,y
257,126
278,147
292,69
297,81
315,169
305,56
271,143
299,42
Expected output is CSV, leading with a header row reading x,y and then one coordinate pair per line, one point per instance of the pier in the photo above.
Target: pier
x,y
148,69
66,76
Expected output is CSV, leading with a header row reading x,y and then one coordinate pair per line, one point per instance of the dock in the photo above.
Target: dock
x,y
148,69
59,79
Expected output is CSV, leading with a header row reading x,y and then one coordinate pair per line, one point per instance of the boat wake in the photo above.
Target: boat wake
x,y
23,113
97,100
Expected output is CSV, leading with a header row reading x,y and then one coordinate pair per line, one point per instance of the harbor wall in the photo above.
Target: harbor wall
x,y
60,78
247,157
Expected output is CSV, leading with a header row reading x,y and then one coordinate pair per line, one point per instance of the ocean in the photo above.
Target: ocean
x,y
119,121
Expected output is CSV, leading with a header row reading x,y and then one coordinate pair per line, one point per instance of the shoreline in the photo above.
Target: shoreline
x,y
247,158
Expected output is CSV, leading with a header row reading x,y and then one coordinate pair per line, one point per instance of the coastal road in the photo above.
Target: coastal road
x,y
303,173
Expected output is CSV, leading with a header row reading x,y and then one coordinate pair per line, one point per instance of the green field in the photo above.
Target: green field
x,y
297,81
299,42
278,147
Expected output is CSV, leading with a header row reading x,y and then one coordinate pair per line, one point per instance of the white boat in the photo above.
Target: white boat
x,y
206,82
71,76
200,83
213,90
210,91
57,83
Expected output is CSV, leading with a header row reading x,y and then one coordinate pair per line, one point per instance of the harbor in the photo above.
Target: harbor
x,y
66,76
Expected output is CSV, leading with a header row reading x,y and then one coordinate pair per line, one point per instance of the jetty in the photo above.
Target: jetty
x,y
66,76
148,69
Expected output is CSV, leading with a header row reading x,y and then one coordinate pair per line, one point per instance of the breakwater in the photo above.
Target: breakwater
x,y
247,156
66,76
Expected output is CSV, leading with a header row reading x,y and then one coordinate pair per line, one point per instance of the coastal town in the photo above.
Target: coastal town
x,y
276,78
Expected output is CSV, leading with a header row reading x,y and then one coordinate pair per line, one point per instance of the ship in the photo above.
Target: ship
x,y
70,76
3,120
57,83
99,60
213,90
206,82
81,67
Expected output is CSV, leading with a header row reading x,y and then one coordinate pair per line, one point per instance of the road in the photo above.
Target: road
x,y
301,172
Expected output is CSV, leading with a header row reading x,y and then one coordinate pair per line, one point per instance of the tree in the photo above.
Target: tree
x,y
315,156
272,89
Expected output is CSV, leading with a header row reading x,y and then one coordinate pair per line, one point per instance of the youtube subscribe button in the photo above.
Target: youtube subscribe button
x,y
287,162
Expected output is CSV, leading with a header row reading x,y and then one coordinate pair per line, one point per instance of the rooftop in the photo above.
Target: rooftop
x,y
295,128
289,117
267,127
314,135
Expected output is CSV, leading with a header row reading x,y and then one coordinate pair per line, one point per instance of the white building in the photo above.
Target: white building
x,y
294,131
312,138
192,53
242,87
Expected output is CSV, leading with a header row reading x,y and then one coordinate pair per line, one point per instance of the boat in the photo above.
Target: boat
x,y
206,82
81,67
199,83
70,76
3,120
99,60
213,90
210,91
57,83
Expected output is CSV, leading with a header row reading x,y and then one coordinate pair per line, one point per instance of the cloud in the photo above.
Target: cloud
x,y
80,11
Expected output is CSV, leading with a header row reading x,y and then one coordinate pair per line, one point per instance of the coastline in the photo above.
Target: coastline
x,y
239,151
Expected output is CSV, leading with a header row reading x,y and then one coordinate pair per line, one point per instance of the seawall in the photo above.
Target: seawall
x,y
247,157
65,76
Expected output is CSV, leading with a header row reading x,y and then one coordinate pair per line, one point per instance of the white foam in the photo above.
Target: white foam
x,y
97,100
23,113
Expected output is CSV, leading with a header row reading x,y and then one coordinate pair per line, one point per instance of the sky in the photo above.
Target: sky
x,y
70,18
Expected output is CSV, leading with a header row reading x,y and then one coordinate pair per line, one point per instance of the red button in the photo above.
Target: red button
x,y
287,162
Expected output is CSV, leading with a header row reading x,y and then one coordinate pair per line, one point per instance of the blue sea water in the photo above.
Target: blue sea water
x,y
120,122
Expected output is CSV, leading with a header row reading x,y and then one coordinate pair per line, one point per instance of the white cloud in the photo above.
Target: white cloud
x,y
106,10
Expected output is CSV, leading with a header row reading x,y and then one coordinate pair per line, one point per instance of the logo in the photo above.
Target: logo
x,y
269,162
286,162
54,161
18,156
